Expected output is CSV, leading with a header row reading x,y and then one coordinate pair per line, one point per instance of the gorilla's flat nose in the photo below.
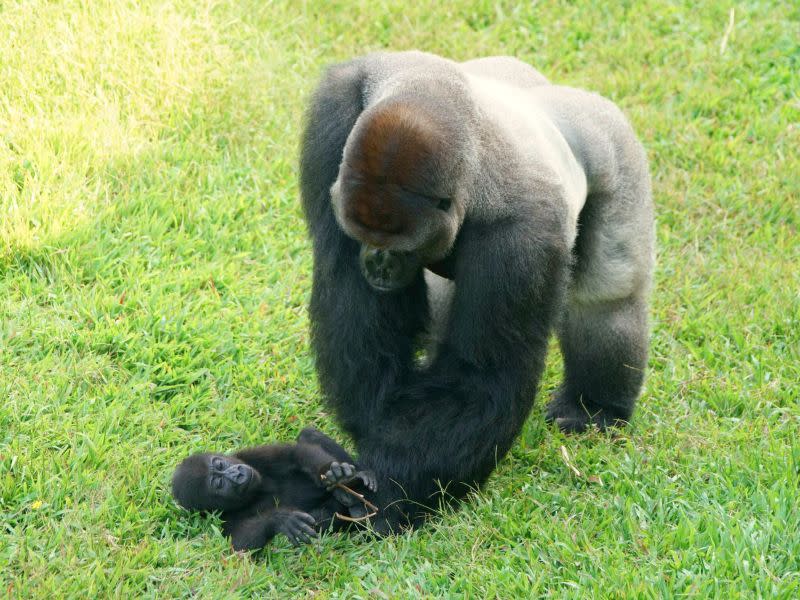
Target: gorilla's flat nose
x,y
239,474
242,475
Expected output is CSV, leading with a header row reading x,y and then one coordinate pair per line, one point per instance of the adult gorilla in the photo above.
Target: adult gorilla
x,y
534,199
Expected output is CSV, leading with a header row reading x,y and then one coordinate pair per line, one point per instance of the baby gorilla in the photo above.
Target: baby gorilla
x,y
277,488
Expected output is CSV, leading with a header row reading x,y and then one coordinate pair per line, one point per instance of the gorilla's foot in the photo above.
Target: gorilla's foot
x,y
573,413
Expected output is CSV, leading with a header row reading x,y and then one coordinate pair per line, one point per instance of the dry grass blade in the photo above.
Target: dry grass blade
x,y
567,461
728,31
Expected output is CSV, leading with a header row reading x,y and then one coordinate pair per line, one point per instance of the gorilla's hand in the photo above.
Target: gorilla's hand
x,y
346,498
298,527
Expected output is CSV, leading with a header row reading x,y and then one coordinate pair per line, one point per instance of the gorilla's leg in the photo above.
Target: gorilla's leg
x,y
605,352
603,330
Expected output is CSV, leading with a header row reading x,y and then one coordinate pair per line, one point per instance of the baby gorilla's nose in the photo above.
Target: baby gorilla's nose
x,y
239,474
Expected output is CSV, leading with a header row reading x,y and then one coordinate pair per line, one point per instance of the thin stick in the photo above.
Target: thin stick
x,y
361,497
354,519
374,509
728,31
568,462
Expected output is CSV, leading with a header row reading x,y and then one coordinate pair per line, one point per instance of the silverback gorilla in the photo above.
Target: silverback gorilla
x,y
530,202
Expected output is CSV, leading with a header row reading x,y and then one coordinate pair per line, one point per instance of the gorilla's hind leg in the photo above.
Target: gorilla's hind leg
x,y
605,352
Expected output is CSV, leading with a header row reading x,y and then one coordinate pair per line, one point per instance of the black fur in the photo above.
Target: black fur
x,y
281,488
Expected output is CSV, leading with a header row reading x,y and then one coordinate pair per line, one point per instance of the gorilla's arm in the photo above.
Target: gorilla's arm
x,y
363,340
452,422
253,532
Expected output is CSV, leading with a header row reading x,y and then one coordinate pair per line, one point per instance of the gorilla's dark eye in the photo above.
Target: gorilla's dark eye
x,y
216,463
216,482
444,204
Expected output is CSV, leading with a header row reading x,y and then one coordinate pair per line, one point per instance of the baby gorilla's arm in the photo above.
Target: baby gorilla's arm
x,y
255,532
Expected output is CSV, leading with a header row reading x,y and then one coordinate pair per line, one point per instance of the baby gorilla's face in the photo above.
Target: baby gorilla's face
x,y
215,482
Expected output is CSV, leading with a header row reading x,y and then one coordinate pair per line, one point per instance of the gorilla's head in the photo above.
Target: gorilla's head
x,y
400,190
207,482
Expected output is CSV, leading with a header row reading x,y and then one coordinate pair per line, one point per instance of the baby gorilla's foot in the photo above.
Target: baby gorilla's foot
x,y
368,479
338,473
346,474
298,527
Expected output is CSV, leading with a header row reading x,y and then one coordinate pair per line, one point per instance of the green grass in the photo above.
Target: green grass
x,y
154,274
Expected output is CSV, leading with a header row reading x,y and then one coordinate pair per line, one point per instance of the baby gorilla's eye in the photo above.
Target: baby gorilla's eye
x,y
216,462
216,482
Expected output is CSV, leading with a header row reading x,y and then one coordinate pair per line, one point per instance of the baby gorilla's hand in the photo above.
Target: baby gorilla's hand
x,y
298,527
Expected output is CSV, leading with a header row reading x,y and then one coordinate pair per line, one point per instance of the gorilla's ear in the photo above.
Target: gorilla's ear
x,y
189,482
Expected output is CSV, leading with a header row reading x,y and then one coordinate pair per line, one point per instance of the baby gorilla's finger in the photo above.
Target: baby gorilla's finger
x,y
296,538
339,473
305,518
330,479
368,479
299,528
304,534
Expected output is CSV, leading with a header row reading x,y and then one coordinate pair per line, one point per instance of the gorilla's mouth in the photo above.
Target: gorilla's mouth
x,y
244,487
388,270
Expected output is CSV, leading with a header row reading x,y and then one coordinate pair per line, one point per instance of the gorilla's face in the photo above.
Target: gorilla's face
x,y
397,193
215,482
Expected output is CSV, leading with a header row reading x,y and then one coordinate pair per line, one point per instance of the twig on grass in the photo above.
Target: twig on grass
x,y
728,31
590,479
372,508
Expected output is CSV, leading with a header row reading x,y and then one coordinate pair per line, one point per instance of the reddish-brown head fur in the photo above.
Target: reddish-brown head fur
x,y
393,155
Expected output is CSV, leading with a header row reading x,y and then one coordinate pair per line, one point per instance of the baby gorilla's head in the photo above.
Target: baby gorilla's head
x,y
214,482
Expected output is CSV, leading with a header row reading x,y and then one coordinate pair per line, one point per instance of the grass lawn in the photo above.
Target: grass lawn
x,y
154,276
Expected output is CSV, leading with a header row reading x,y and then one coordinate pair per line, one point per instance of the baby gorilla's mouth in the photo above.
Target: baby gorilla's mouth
x,y
243,478
244,486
